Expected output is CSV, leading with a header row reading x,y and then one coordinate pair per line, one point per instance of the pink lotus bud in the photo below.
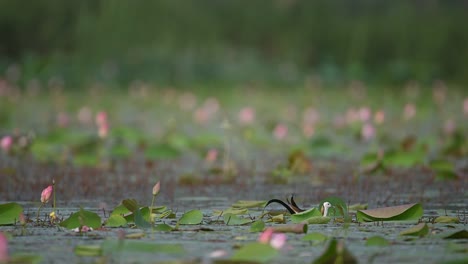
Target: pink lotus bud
x,y
103,130
156,188
280,132
6,143
265,236
278,240
247,115
379,117
308,130
364,114
3,248
101,118
46,194
211,156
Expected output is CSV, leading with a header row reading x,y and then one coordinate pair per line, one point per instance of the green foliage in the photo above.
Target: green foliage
x,y
394,213
257,226
163,228
461,234
82,218
10,213
192,217
336,252
315,237
232,220
88,250
306,215
242,204
115,221
377,241
161,151
254,252
419,230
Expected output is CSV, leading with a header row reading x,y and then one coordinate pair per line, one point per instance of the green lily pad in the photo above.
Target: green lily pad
x,y
161,151
447,219
420,230
9,213
142,218
377,241
163,228
254,252
356,207
304,216
393,213
115,221
88,250
82,218
249,204
120,210
232,220
315,237
257,226
336,252
462,234
318,220
130,204
192,217
233,211
25,258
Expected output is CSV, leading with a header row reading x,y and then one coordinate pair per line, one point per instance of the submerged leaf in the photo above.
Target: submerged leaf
x,y
254,252
420,230
393,213
192,217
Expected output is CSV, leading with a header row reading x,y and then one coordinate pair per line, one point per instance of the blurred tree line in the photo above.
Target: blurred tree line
x,y
197,40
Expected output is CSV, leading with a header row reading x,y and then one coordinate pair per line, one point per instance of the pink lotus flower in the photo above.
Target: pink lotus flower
x,y
308,130
218,253
247,115
364,114
62,119
201,116
409,111
103,130
101,118
46,194
280,132
379,117
367,131
276,240
6,143
352,116
310,116
211,155
156,188
3,248
85,115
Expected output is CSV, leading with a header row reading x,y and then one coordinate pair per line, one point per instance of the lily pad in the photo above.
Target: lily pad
x,y
232,220
318,220
249,204
230,211
142,218
255,252
82,218
377,241
130,204
257,226
192,217
393,213
304,216
315,237
420,230
9,213
462,234
115,221
163,228
447,219
88,250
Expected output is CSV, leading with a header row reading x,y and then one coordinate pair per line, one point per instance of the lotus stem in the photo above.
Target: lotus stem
x,y
296,229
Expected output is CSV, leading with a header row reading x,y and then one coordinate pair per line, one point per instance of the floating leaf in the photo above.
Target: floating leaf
x,y
231,220
377,241
336,252
142,218
115,221
135,235
120,210
82,218
257,226
358,207
420,230
318,220
163,228
249,204
254,252
230,211
192,217
393,213
462,234
25,258
304,216
316,237
130,204
9,213
88,250
277,218
446,219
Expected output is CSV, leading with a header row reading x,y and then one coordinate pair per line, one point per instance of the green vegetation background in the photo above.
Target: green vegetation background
x,y
286,41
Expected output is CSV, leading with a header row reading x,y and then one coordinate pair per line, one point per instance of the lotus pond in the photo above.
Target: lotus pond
x,y
164,175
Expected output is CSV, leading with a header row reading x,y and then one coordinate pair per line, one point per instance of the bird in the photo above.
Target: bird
x,y
293,208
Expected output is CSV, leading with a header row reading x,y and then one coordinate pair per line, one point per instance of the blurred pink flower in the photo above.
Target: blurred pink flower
x,y
84,229
103,130
379,117
211,155
449,127
46,194
62,119
218,253
156,188
201,116
310,116
3,248
211,105
364,114
276,240
352,115
247,115
339,121
85,115
6,143
367,131
101,118
280,132
308,130
409,111
465,106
